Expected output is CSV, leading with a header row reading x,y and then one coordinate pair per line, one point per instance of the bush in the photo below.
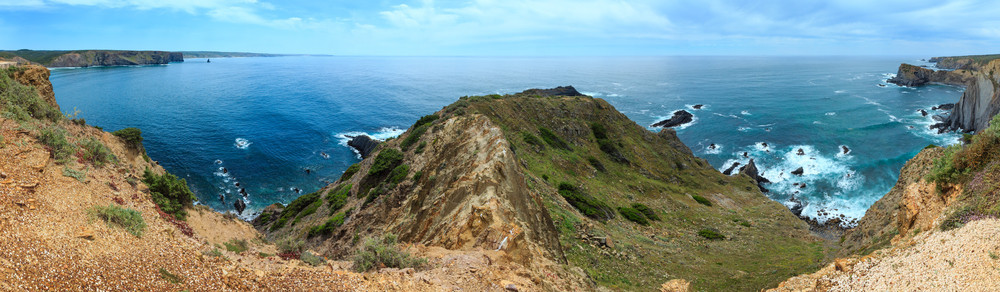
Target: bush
x,y
532,139
413,137
95,152
633,215
128,219
55,138
398,174
167,276
338,197
702,200
21,102
588,205
645,210
79,175
311,259
420,148
552,139
417,175
956,219
264,218
329,226
309,210
596,164
425,120
351,170
387,159
295,207
236,245
169,192
600,132
291,246
215,252
383,252
131,136
711,234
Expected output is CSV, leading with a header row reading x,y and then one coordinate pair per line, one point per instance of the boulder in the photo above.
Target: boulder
x,y
680,117
751,170
729,170
240,206
798,171
944,107
922,112
363,144
698,106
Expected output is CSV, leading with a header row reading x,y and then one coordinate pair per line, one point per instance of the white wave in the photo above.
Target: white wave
x,y
839,91
817,123
242,143
743,129
613,95
382,134
694,119
592,94
831,113
745,113
717,150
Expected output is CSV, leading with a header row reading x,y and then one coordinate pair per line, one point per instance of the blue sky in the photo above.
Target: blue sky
x,y
508,27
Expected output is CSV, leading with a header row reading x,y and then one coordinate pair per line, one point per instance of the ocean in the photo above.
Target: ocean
x,y
263,122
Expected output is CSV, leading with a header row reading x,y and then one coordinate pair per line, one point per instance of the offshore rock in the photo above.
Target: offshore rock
x,y
558,91
680,117
363,144
751,170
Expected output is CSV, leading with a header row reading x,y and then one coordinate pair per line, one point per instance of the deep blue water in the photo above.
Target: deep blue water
x,y
292,109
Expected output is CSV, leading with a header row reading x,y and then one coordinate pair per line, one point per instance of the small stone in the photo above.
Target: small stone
x,y
841,265
85,233
511,287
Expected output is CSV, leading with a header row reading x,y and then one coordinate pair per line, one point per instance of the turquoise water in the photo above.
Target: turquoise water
x,y
267,120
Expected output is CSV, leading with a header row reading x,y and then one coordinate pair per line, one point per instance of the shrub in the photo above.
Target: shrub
x,y
131,136
552,139
398,174
290,246
215,252
633,215
128,219
167,276
264,217
417,175
702,200
420,148
596,164
309,210
338,197
588,205
55,138
956,219
329,226
169,192
600,132
236,245
711,234
79,175
311,259
383,252
645,210
930,146
609,148
532,139
21,102
351,170
295,207
95,152
413,137
387,159
425,120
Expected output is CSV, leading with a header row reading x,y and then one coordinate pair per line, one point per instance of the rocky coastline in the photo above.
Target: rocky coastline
x,y
94,58
979,102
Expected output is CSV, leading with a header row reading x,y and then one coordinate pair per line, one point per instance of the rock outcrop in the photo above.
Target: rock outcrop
x,y
37,77
679,118
979,103
913,76
363,144
114,58
751,170
558,91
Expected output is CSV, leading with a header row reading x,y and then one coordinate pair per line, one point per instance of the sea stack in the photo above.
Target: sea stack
x,y
363,144
680,117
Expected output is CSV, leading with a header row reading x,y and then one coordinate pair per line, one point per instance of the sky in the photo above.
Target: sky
x,y
507,27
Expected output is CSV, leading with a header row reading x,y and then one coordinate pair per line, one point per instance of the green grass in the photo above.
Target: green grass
x,y
702,200
413,136
215,252
125,218
383,252
532,140
293,210
331,224
711,234
170,193
420,147
236,245
80,175
351,170
338,197
169,277
398,174
646,211
386,160
633,215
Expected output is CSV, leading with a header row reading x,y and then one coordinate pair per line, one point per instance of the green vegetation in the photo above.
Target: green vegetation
x,y
702,200
413,136
80,175
398,174
425,120
417,175
169,192
338,197
420,147
295,207
552,139
605,144
291,246
128,219
21,102
54,138
311,259
169,277
383,252
309,210
351,170
645,210
264,217
329,226
236,245
387,159
264,255
532,140
587,204
633,215
596,164
215,252
131,136
96,153
711,234
41,57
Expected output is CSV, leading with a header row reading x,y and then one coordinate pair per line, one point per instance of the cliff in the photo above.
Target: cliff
x,y
910,75
38,78
89,58
565,186
963,62
979,102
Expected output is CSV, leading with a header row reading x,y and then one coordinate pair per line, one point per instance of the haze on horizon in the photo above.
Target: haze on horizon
x,y
507,28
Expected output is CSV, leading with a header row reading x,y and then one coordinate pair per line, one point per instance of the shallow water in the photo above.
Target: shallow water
x,y
266,120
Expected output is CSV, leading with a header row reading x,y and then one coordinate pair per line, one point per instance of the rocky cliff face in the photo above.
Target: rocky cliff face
x,y
37,77
114,58
910,75
979,103
556,184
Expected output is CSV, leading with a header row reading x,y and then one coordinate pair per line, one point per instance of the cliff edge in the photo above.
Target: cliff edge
x,y
979,75
91,58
